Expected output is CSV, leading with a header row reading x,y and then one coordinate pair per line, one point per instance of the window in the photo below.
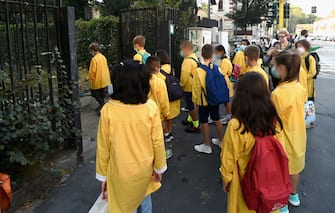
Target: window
x,y
220,7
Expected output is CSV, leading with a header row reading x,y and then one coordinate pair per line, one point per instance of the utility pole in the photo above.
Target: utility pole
x,y
281,14
209,9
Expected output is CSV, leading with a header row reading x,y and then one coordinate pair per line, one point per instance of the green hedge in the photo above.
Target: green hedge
x,y
105,31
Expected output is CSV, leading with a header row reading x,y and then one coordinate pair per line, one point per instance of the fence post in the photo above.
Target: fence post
x,y
68,46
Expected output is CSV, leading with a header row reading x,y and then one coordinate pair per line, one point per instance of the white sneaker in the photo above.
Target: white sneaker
x,y
203,148
184,109
217,142
210,121
225,120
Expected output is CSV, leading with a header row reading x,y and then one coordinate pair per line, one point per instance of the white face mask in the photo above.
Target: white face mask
x,y
301,50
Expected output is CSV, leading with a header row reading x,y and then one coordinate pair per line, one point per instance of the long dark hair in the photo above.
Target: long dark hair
x,y
292,61
131,83
253,107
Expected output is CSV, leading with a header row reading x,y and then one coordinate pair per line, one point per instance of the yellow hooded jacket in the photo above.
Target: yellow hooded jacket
x,y
99,73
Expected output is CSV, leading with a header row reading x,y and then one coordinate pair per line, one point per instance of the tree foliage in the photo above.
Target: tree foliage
x,y
248,12
297,16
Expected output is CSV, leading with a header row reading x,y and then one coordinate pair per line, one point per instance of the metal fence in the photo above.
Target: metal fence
x,y
30,31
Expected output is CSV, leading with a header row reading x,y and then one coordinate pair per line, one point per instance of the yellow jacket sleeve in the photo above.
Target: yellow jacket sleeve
x,y
240,60
138,58
226,67
312,68
103,147
160,165
92,70
186,76
163,98
229,153
196,89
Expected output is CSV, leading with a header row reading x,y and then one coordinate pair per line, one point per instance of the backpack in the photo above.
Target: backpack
x,y
266,184
174,89
317,60
217,91
235,74
145,57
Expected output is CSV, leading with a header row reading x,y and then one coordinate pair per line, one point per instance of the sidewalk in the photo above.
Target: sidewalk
x,y
192,183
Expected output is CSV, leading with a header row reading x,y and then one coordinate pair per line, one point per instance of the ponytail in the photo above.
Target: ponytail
x,y
292,61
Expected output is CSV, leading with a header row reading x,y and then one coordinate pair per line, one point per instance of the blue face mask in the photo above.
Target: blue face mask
x,y
275,73
181,54
217,57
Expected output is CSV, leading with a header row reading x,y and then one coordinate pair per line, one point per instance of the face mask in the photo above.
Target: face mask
x,y
217,57
135,49
275,73
181,54
301,50
242,48
92,53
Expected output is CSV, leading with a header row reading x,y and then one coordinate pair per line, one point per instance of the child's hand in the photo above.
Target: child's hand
x,y
226,187
103,189
157,177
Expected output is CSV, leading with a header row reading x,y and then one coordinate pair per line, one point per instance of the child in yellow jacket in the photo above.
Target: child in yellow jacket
x,y
252,54
253,115
303,46
205,110
239,57
139,46
98,75
226,68
130,156
289,98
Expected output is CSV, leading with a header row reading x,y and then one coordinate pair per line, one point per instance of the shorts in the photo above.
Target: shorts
x,y
188,100
206,111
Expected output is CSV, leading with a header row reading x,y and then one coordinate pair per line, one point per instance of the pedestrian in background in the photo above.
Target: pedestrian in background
x,y
188,70
254,114
139,46
130,156
239,57
289,98
98,75
310,70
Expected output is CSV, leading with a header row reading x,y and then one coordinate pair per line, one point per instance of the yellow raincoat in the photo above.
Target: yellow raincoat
x,y
98,73
289,99
130,147
240,60
138,57
303,78
158,93
188,69
310,74
226,68
259,70
174,105
199,88
237,148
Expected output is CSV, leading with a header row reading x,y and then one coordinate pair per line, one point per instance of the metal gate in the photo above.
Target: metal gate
x,y
31,32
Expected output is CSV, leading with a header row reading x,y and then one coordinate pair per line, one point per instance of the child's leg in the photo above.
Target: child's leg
x,y
228,109
169,125
214,112
219,128
146,206
294,183
206,134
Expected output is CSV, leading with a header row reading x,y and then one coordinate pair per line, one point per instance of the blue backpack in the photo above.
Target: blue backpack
x,y
216,85
145,57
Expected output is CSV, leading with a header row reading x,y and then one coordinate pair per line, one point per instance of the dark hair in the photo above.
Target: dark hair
x,y
252,106
304,43
94,46
304,32
246,41
139,40
292,61
261,53
131,83
207,51
152,62
163,56
252,52
222,49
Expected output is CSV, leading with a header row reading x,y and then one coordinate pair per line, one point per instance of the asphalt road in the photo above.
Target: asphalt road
x,y
192,183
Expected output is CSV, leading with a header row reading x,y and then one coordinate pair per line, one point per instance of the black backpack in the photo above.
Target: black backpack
x,y
174,89
317,60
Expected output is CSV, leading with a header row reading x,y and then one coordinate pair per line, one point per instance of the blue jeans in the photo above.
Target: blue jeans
x,y
146,206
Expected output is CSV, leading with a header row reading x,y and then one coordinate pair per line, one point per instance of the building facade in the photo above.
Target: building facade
x,y
324,27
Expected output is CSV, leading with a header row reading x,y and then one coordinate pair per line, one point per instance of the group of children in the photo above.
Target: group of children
x,y
138,120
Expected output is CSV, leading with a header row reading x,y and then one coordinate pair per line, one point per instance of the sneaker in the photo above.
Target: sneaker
x,y
192,129
186,123
203,148
210,121
284,209
217,142
225,120
184,109
168,153
169,138
294,200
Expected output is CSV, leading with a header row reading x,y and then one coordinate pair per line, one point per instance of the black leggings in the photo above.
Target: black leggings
x,y
99,95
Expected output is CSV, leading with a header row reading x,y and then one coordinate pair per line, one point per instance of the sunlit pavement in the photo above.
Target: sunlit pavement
x,y
192,183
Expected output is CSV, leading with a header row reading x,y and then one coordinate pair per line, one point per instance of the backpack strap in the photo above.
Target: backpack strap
x,y
307,62
164,73
195,60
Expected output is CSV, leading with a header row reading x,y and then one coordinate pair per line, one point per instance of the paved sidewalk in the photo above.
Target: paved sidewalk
x,y
192,183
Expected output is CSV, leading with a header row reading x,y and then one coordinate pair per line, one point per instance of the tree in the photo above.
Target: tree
x,y
248,12
80,6
112,7
297,16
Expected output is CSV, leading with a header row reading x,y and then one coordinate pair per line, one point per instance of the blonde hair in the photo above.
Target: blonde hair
x,y
284,31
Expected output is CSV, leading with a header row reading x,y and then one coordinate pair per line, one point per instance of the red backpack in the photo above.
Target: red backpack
x,y
266,185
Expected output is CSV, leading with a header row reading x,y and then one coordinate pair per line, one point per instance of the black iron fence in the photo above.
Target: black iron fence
x,y
37,81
